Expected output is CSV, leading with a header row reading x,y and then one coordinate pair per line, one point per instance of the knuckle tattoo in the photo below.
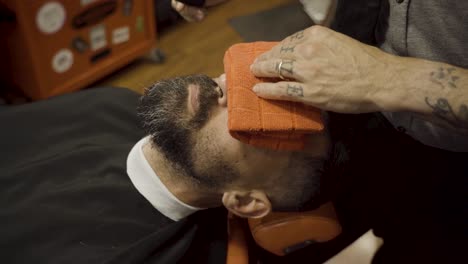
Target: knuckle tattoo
x,y
297,36
294,90
287,49
288,66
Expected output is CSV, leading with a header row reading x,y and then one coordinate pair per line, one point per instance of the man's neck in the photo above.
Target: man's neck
x,y
179,185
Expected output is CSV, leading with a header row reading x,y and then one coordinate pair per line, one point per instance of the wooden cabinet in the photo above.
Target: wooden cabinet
x,y
49,48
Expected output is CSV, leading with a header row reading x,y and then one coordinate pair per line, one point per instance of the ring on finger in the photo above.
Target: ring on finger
x,y
278,69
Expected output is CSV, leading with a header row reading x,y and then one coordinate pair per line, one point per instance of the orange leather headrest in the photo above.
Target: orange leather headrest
x,y
282,233
237,249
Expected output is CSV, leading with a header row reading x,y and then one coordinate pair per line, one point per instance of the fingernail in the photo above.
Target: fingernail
x,y
255,89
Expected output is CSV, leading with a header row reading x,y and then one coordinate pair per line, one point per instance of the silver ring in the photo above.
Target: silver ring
x,y
279,70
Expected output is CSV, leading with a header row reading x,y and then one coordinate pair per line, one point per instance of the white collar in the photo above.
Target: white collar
x,y
152,188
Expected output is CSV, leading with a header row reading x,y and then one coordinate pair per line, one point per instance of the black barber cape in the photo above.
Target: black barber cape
x,y
65,196
413,196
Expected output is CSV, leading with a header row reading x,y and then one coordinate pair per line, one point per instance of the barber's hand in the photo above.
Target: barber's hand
x,y
328,70
192,13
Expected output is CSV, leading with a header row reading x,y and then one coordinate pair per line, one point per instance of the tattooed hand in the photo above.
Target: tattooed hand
x,y
328,70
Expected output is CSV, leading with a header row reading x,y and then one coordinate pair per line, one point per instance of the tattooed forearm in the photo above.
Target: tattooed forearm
x,y
444,110
445,77
295,90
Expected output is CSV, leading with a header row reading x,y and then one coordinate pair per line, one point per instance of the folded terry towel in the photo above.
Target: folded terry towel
x,y
279,125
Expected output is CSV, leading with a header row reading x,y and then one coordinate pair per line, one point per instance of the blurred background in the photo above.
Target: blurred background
x,y
50,48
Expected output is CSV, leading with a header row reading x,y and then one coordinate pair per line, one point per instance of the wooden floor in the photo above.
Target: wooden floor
x,y
191,47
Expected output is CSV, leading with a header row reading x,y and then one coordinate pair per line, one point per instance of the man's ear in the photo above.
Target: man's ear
x,y
247,204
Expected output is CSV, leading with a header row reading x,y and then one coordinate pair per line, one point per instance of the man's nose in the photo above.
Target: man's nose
x,y
221,81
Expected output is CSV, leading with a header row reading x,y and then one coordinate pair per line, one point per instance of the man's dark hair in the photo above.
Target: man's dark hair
x,y
165,117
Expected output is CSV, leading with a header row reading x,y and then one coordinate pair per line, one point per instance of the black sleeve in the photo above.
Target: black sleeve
x,y
101,116
359,19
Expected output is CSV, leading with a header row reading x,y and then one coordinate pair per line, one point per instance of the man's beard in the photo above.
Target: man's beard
x,y
325,171
166,117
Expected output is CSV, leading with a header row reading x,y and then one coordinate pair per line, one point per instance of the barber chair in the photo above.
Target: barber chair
x,y
281,233
53,47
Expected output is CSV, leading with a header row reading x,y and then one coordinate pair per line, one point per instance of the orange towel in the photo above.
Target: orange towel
x,y
279,125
